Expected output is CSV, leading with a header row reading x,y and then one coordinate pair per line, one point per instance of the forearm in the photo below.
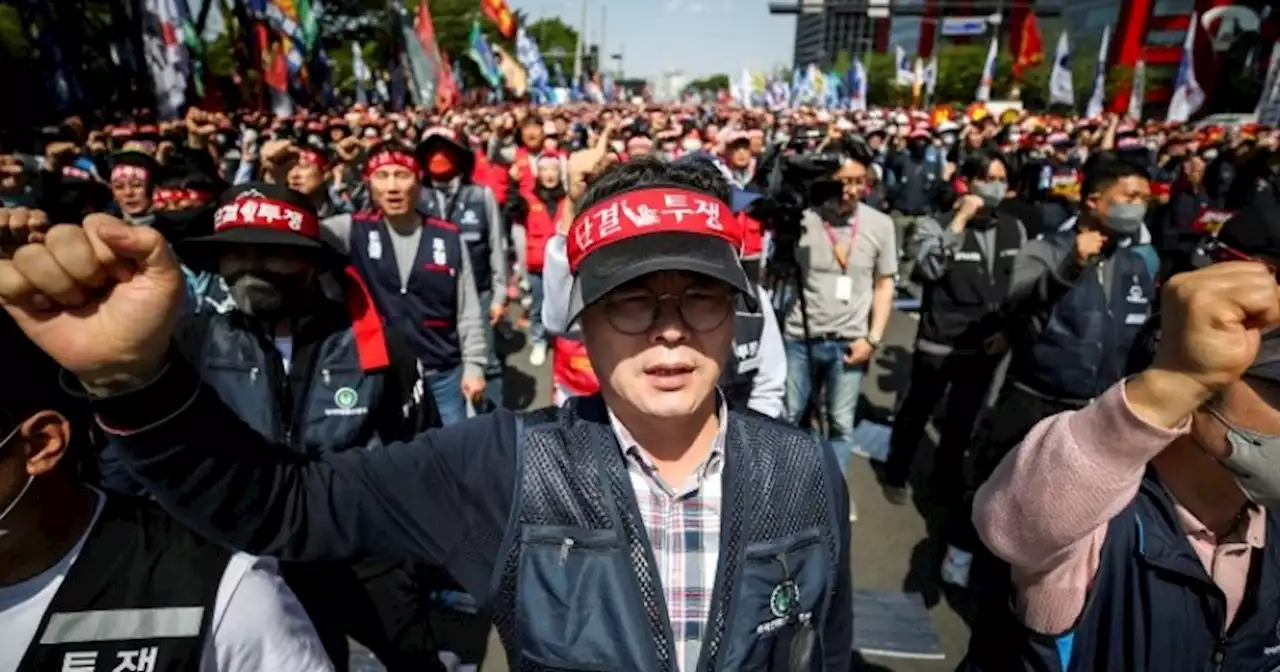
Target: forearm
x,y
769,386
213,472
881,306
937,246
1071,475
497,252
557,285
471,324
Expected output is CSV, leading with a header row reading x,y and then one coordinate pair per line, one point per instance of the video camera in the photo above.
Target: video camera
x,y
790,183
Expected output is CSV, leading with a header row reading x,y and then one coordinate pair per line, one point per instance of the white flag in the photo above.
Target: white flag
x,y
361,72
1061,89
166,55
988,74
1138,92
858,92
905,74
1094,108
1269,102
1187,94
931,76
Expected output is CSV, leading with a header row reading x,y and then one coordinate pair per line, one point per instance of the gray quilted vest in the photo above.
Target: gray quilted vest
x,y
580,590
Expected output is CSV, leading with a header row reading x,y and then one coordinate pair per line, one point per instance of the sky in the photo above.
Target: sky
x,y
700,37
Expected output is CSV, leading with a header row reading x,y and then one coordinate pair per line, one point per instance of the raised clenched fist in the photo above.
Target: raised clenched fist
x,y
1211,327
1089,244
101,298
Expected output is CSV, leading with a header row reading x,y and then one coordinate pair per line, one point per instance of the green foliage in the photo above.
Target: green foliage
x,y
843,60
12,40
712,83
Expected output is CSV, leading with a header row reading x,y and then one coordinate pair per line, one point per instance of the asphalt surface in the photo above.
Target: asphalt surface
x,y
892,545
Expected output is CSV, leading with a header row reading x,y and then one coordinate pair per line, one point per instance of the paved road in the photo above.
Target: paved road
x,y
892,547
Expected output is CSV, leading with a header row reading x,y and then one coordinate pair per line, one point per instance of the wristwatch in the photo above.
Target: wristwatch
x,y
873,341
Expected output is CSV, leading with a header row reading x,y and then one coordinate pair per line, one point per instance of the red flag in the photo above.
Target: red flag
x,y
499,13
426,29
1030,46
447,94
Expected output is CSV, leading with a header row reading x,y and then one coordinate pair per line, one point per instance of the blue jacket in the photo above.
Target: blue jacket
x,y
495,498
1077,328
1152,607
331,397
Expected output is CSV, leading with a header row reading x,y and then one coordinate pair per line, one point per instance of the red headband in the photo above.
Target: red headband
x,y
166,195
307,157
267,213
392,158
645,211
125,171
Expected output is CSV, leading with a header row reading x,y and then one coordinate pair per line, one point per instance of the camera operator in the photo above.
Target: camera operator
x,y
965,261
1141,527
848,257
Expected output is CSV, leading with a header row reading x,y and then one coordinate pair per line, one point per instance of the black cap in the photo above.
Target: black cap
x,y
1255,231
258,213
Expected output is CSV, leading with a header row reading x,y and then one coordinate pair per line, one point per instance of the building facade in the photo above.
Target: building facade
x,y
825,28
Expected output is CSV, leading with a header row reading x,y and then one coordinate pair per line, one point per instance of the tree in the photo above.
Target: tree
x,y
713,83
843,60
556,40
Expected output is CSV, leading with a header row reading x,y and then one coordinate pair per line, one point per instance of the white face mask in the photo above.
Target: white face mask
x,y
21,493
691,145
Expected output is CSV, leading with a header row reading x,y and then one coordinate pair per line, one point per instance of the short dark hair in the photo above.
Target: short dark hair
x,y
649,171
977,166
1105,169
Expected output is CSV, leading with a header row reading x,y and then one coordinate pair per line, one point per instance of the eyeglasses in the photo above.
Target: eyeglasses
x,y
701,309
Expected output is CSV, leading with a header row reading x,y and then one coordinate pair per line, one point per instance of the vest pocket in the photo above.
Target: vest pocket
x,y
780,602
572,609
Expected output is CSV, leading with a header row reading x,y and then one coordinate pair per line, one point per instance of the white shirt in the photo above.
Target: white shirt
x,y
258,623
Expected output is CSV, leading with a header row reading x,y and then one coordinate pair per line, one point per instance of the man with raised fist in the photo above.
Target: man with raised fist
x,y
1139,528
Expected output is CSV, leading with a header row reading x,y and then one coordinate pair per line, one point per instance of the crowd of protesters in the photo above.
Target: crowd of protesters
x,y
256,402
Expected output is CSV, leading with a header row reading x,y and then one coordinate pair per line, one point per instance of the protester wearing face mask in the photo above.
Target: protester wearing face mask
x,y
449,194
1075,316
418,270
1141,527
317,372
916,185
76,557
964,264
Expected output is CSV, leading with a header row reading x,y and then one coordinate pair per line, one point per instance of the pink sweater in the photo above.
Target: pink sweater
x,y
1046,508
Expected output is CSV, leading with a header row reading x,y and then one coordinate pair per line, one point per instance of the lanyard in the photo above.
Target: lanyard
x,y
842,254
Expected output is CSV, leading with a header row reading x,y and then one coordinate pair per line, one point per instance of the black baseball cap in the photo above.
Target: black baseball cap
x,y
258,213
652,229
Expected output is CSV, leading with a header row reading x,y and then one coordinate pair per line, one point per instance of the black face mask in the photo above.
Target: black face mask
x,y
917,149
270,296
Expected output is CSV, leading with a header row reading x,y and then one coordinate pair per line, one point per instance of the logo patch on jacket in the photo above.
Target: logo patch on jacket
x,y
346,399
470,217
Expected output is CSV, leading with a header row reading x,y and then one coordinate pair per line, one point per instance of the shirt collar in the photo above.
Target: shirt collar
x,y
628,443
1255,527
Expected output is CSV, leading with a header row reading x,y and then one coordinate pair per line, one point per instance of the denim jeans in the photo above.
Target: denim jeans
x,y
537,331
495,368
446,388
843,383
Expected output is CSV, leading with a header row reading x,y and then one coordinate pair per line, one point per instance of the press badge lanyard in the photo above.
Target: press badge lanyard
x,y
844,284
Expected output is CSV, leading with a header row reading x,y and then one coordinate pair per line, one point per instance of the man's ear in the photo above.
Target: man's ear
x,y
46,435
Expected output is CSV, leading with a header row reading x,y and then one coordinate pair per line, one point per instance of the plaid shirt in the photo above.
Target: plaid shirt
x,y
683,525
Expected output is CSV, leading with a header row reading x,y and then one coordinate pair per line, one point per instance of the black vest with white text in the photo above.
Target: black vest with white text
x,y
468,209
139,597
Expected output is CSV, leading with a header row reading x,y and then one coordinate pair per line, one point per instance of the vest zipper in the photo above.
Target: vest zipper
x,y
565,547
